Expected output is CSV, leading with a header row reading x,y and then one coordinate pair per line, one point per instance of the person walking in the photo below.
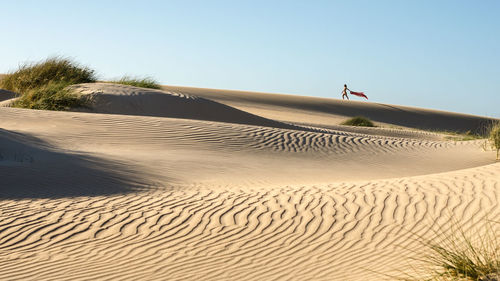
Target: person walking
x,y
359,94
344,92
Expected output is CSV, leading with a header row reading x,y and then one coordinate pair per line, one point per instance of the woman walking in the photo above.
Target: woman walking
x,y
344,92
359,94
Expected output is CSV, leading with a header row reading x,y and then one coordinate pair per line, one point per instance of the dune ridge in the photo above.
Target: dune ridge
x,y
122,99
146,186
265,104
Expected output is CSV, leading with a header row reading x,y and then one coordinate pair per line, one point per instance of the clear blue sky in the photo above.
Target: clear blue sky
x,y
433,54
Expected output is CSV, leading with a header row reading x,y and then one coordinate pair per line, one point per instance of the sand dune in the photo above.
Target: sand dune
x,y
327,111
175,185
121,99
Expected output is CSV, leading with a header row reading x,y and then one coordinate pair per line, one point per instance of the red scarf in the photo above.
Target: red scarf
x,y
359,94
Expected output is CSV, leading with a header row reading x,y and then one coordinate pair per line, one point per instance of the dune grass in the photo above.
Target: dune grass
x,y
55,69
494,137
457,136
43,85
358,121
146,82
466,257
51,96
460,254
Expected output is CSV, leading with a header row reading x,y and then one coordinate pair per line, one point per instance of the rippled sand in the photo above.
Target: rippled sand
x,y
201,184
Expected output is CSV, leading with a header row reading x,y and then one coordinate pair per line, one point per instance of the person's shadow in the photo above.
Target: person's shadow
x,y
31,168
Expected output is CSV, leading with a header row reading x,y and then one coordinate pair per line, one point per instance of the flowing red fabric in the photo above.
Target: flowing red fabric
x,y
359,94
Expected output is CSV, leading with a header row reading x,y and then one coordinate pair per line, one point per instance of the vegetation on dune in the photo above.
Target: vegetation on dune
x,y
35,75
52,96
358,121
494,137
43,85
460,254
465,259
146,82
456,136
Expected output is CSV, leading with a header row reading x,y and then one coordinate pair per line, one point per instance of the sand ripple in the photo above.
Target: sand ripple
x,y
318,232
129,197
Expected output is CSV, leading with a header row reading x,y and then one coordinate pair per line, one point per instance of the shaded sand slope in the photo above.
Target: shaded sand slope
x,y
30,167
127,197
121,99
6,95
194,150
327,111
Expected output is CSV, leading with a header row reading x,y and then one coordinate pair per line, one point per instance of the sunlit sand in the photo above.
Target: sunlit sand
x,y
201,184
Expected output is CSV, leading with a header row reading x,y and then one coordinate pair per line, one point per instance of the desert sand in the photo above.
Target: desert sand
x,y
201,184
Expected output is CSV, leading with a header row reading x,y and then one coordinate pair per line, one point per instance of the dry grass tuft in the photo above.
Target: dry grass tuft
x,y
55,69
146,82
494,137
52,96
43,85
358,121
459,254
